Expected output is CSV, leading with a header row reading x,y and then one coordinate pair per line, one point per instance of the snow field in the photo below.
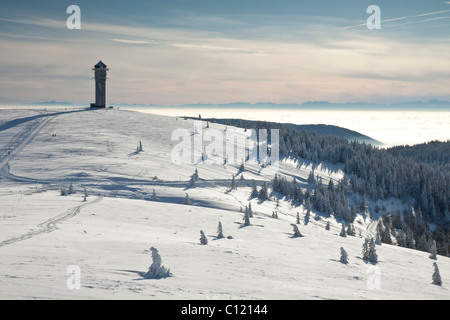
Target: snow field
x,y
109,236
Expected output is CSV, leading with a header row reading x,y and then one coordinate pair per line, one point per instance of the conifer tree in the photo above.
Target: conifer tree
x,y
196,174
307,215
344,256
254,192
263,193
351,230
298,218
327,226
156,270
436,275
203,239
246,218
373,257
187,200
85,195
343,232
296,231
378,238
311,178
233,185
365,250
220,231
433,251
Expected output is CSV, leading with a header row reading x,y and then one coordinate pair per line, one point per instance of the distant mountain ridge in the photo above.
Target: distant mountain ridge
x,y
53,103
430,105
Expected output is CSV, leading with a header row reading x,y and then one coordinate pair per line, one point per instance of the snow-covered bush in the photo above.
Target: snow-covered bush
x,y
156,270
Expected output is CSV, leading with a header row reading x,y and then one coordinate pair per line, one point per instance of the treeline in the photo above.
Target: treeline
x,y
435,153
406,173
373,172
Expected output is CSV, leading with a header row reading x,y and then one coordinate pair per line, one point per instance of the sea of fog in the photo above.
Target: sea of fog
x,y
389,127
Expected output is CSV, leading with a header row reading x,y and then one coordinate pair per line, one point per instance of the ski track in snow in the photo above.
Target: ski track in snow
x,y
13,148
50,224
22,139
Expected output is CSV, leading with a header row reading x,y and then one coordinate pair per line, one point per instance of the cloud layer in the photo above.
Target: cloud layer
x,y
219,59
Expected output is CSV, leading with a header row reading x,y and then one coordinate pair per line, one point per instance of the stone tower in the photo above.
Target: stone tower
x,y
100,85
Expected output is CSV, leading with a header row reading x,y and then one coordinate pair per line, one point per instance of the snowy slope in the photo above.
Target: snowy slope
x,y
108,237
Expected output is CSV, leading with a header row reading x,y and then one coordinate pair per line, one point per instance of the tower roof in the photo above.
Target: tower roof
x,y
99,65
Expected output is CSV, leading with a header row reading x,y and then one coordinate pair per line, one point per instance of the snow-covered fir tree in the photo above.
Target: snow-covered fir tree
x,y
344,256
343,233
298,218
187,200
70,190
203,239
242,167
233,185
307,215
433,251
378,238
296,231
368,251
63,191
436,277
311,179
263,194
254,192
365,250
193,179
401,238
85,195
220,231
351,230
327,225
373,257
246,218
156,270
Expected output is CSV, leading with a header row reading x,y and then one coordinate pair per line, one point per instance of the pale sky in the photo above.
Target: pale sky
x,y
172,52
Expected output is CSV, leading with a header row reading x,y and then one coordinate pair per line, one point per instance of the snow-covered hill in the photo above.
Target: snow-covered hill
x,y
45,236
